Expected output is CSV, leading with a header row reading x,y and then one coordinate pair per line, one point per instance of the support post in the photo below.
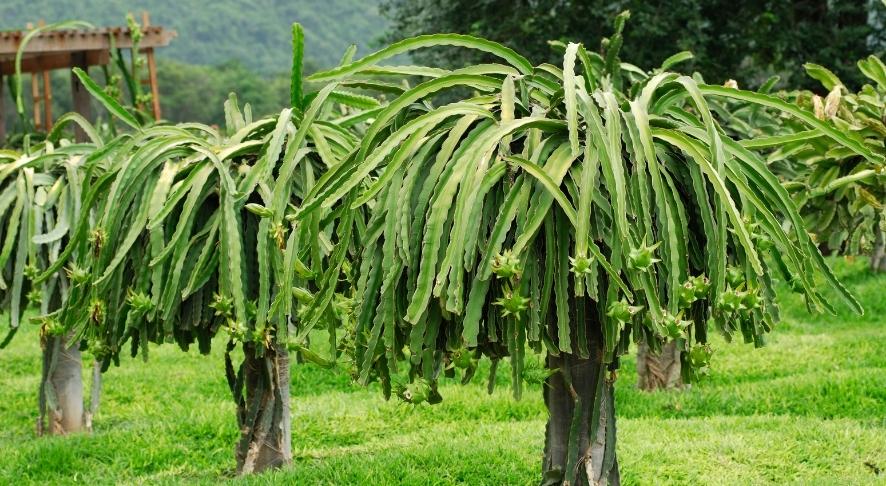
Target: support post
x,y
81,98
2,111
47,101
152,77
152,71
35,100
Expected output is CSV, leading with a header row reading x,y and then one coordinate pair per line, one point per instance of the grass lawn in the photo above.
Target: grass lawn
x,y
809,408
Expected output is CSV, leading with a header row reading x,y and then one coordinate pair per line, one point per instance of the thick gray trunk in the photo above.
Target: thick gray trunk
x,y
580,434
878,256
61,388
658,371
261,390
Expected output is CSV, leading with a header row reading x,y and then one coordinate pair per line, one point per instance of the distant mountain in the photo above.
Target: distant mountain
x,y
255,33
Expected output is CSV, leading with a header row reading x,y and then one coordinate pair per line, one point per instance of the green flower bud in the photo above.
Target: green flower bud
x,y
462,358
251,310
674,326
237,330
700,355
416,392
302,295
512,304
730,301
76,274
581,265
686,295
139,301
506,265
98,349
751,300
700,284
35,297
31,271
642,258
735,276
224,306
763,241
621,311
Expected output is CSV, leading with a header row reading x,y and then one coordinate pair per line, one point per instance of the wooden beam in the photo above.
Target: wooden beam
x,y
82,40
55,60
81,97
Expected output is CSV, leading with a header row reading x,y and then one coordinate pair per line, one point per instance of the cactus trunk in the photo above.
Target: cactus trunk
x,y
878,256
61,388
261,389
658,370
580,434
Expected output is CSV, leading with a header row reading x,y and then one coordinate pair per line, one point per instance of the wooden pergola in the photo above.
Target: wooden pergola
x,y
67,49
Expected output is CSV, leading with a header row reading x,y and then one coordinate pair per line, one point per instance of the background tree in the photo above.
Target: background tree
x,y
761,38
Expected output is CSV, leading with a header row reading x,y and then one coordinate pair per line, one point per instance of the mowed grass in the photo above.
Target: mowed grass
x,y
809,408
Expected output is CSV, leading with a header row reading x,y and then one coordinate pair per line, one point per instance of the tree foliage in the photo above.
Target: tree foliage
x,y
761,38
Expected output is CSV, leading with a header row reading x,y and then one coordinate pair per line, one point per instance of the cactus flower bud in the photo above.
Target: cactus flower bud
x,y
139,301
643,257
512,304
580,265
730,301
700,284
506,265
735,276
621,311
31,271
674,325
416,392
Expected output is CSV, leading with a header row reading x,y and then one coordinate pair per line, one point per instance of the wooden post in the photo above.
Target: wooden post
x,y
155,89
2,111
35,93
35,101
82,99
152,70
47,101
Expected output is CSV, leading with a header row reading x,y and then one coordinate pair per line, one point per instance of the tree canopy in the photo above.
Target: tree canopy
x,y
751,43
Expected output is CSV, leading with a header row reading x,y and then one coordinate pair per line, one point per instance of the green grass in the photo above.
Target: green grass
x,y
810,408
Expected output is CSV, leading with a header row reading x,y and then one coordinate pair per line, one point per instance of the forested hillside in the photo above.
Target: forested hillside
x,y
216,32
